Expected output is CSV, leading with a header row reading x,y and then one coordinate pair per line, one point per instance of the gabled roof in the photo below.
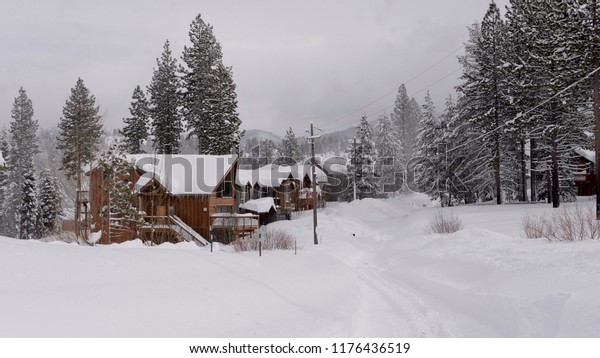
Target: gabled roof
x,y
273,175
183,174
590,155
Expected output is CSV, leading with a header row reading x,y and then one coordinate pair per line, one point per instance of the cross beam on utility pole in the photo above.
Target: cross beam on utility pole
x,y
312,140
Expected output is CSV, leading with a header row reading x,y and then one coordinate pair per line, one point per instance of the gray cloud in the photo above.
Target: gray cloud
x,y
293,61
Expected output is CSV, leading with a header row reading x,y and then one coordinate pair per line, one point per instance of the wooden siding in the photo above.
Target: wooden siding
x,y
154,200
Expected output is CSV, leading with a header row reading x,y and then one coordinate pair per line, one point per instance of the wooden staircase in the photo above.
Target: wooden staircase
x,y
161,229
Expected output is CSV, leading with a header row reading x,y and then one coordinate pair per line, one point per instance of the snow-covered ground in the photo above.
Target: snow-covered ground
x,y
374,274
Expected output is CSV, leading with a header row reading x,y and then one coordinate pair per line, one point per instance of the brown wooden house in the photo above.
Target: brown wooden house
x,y
583,175
289,186
176,196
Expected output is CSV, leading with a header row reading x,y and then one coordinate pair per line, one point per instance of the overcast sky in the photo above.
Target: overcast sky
x,y
293,61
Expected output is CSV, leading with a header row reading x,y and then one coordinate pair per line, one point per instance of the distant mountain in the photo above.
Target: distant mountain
x,y
343,134
260,135
334,143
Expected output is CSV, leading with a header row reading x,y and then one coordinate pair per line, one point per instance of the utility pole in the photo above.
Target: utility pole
x,y
312,139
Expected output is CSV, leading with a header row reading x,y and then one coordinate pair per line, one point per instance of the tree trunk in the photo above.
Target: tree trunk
x,y
532,173
555,179
549,184
523,173
497,172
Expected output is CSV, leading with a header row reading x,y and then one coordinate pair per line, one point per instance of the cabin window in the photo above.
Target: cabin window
x,y
227,187
244,194
224,209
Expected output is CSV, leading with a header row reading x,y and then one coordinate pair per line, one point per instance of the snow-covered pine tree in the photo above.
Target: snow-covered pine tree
x,y
79,134
520,91
28,227
290,147
135,131
469,175
554,65
483,91
4,146
163,90
49,204
363,161
118,213
430,144
388,148
405,117
20,204
226,138
268,150
209,99
10,192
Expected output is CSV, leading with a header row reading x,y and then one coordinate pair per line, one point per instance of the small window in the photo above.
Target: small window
x,y
224,209
227,187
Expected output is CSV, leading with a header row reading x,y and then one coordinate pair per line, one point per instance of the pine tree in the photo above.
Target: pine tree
x,y
4,146
209,99
483,91
363,158
28,210
429,141
11,190
290,147
558,123
20,204
80,130
164,102
118,211
49,204
388,148
405,117
268,150
135,131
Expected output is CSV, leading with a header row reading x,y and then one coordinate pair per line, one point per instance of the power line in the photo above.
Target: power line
x,y
395,89
511,121
411,95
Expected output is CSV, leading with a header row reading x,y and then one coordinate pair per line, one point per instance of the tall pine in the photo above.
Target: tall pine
x,y
20,199
136,128
290,147
209,98
163,91
80,129
405,117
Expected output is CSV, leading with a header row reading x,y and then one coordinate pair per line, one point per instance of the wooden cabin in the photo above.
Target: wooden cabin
x,y
583,176
176,196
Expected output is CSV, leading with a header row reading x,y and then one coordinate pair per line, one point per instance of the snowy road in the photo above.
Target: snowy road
x,y
374,274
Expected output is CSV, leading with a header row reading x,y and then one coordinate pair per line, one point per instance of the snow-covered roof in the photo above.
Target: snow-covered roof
x,y
183,174
587,154
273,175
262,205
225,220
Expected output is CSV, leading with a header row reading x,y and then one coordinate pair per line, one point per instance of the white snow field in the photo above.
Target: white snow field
x,y
374,274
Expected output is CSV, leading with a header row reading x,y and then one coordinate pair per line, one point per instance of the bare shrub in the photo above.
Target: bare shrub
x,y
444,224
564,224
271,240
